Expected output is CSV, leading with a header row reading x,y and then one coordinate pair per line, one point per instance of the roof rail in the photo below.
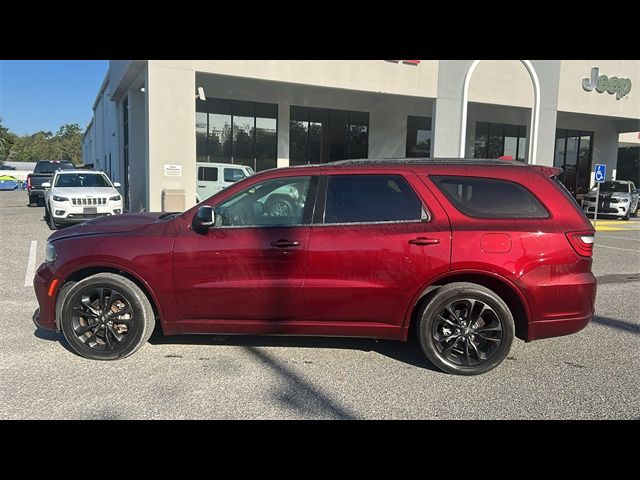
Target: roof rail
x,y
428,161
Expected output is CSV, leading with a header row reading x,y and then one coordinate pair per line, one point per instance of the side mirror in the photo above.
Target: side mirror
x,y
116,184
46,185
203,219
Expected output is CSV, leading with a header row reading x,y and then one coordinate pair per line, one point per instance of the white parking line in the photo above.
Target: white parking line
x,y
31,264
621,238
618,248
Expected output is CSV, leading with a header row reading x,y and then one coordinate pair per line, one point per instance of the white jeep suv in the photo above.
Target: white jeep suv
x,y
75,196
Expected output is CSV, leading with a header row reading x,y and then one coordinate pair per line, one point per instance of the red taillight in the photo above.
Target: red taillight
x,y
582,242
29,181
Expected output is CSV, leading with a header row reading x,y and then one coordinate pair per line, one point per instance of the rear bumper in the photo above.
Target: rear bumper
x,y
558,327
561,302
35,193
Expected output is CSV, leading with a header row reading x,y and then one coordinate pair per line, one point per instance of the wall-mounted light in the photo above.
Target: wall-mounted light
x,y
201,94
142,89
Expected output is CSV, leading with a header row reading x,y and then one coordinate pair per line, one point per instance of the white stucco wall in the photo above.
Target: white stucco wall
x,y
361,75
388,91
573,98
501,82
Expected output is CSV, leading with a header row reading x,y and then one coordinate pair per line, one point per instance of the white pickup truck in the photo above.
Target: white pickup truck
x,y
75,196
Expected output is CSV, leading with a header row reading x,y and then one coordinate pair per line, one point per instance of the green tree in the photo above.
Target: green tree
x,y
67,143
7,140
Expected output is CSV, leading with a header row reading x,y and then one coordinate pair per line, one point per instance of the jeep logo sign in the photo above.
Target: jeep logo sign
x,y
619,86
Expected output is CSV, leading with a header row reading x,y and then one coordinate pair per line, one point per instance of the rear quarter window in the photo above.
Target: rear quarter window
x,y
490,197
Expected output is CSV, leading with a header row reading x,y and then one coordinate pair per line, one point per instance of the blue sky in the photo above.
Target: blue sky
x,y
45,94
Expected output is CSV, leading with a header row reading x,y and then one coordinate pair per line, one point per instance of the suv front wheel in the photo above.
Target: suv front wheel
x,y
106,317
466,329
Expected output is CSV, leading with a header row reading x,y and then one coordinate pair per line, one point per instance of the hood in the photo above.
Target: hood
x,y
614,194
127,222
84,191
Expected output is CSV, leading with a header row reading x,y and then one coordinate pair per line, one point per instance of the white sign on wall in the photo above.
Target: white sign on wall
x,y
172,170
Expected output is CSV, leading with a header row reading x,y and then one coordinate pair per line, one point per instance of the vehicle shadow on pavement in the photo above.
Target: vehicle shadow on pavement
x,y
405,352
52,336
618,324
301,395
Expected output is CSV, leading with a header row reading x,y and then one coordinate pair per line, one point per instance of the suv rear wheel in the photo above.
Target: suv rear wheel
x,y
106,317
466,329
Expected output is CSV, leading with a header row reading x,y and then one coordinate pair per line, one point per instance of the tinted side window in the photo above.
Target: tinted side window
x,y
276,202
490,197
370,198
208,174
233,174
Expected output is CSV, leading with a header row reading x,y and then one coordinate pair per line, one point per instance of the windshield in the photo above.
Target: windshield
x,y
50,167
82,180
614,187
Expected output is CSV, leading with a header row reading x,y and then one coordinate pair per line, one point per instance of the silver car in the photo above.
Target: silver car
x,y
617,197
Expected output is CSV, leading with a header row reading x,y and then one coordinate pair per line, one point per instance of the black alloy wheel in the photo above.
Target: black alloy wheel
x,y
106,317
102,318
467,332
466,329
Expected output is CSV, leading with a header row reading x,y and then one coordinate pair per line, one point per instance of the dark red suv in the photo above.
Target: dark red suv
x,y
469,253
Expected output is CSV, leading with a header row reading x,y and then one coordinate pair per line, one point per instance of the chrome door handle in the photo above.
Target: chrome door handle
x,y
285,243
424,241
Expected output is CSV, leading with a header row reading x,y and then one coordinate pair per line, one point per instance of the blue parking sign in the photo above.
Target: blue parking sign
x,y
600,173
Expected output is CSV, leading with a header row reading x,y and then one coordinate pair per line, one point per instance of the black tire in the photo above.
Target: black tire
x,y
635,212
50,221
279,207
33,199
97,336
492,328
626,216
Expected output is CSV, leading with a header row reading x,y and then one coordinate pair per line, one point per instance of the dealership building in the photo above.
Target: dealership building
x,y
154,120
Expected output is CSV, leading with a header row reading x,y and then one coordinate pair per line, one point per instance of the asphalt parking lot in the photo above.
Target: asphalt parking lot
x,y
593,374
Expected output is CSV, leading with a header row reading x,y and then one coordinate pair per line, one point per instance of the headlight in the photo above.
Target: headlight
x,y
56,198
51,253
115,198
623,200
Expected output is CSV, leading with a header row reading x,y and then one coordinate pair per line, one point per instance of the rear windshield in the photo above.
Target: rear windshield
x,y
614,187
50,167
490,197
73,180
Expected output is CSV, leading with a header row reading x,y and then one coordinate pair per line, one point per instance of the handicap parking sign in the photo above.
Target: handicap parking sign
x,y
600,173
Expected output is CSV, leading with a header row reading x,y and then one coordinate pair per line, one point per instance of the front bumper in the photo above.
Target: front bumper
x,y
66,214
45,315
618,209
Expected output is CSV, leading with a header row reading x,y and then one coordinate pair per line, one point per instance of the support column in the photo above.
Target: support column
x,y
548,75
171,120
284,114
138,165
448,109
